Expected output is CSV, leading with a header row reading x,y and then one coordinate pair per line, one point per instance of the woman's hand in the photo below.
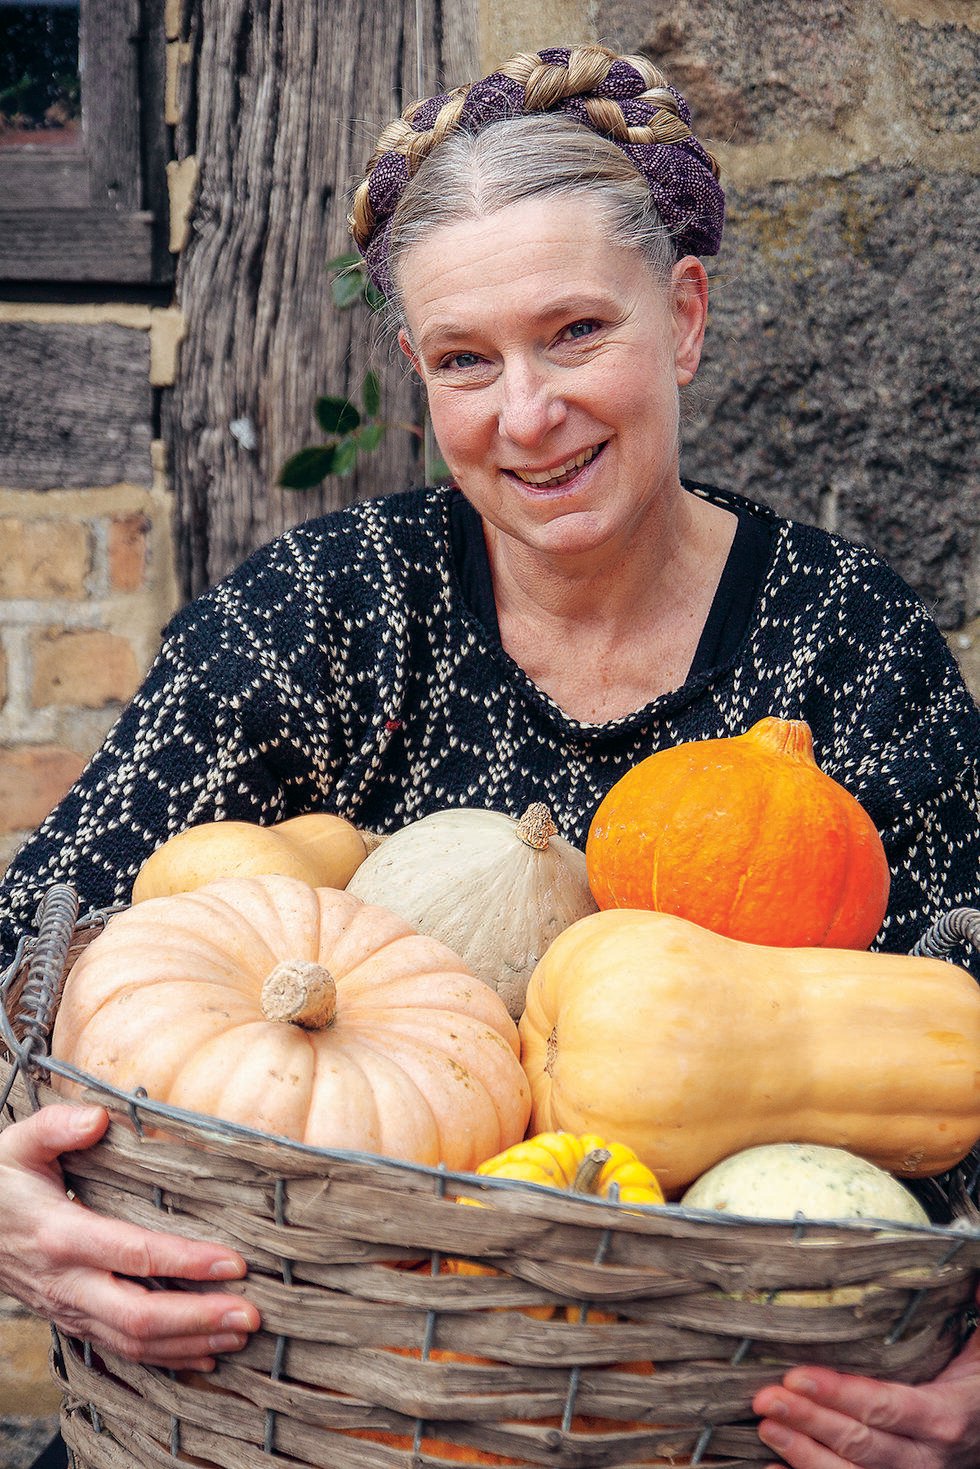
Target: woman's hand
x,y
818,1419
69,1264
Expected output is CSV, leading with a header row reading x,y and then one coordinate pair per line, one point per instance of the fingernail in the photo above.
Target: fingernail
x,y
778,1409
236,1321
225,1270
777,1438
226,1343
805,1385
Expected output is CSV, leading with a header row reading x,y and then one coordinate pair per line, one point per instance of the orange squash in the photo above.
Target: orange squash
x,y
745,836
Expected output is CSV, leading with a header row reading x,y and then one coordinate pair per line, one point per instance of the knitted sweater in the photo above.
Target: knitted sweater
x,y
340,668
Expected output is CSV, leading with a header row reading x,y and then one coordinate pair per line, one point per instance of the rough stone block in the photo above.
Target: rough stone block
x,y
44,558
77,405
84,669
750,72
837,383
942,63
33,779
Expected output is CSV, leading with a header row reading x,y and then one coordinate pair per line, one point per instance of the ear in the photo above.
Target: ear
x,y
410,352
689,308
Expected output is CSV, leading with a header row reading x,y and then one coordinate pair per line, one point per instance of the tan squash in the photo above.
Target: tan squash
x,y
318,848
304,1013
688,1047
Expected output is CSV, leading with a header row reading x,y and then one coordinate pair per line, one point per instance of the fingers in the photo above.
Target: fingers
x,y
37,1141
156,1327
72,1235
818,1419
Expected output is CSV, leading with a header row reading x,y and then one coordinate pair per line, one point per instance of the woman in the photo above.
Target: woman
x,y
571,607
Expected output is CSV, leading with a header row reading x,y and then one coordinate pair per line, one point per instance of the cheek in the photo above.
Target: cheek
x,y
462,427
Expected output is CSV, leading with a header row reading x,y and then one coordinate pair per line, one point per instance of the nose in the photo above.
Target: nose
x,y
531,404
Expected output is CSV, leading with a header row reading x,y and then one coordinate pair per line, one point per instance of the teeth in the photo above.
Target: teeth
x,y
552,476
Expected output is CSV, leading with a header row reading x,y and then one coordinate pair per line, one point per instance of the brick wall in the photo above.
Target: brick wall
x,y
86,583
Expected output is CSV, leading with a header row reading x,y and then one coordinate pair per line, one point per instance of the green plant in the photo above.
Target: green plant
x,y
351,430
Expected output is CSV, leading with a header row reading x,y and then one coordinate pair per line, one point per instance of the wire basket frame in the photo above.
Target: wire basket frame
x,y
590,1334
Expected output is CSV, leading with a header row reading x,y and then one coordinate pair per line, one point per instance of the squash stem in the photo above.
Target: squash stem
x,y
299,992
536,826
588,1171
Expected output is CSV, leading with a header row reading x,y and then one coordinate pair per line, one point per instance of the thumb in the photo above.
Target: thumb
x,y
40,1139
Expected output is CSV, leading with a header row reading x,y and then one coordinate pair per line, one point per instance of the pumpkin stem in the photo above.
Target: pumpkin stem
x,y
588,1171
298,992
536,826
788,737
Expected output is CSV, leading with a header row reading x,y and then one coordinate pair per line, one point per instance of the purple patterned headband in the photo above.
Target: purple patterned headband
x,y
682,183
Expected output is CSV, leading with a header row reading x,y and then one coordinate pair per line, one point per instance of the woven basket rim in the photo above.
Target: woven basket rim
x,y
214,1129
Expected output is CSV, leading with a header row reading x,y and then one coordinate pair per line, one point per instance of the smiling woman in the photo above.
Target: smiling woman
x,y
568,606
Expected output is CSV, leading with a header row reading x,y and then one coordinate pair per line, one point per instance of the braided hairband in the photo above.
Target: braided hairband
x,y
625,99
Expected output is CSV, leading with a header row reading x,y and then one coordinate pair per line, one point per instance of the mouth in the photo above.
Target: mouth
x,y
553,479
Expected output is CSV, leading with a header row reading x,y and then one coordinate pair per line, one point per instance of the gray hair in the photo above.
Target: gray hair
x,y
473,175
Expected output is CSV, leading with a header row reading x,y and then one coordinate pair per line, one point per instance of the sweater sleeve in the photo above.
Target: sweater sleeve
x,y
180,753
908,746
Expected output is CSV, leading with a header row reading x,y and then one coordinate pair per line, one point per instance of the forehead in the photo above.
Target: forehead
x,y
518,259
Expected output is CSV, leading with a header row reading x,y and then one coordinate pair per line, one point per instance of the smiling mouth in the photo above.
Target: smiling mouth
x,y
552,478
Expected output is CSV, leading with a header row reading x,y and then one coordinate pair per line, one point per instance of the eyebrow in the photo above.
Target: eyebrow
x,y
449,331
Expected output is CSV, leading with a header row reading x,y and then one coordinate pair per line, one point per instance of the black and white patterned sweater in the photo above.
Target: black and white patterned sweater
x,y
340,668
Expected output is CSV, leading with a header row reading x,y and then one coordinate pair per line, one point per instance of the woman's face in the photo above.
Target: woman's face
x,y
551,359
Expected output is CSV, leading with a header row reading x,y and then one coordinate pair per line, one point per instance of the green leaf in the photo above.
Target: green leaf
x,y
346,289
308,467
344,262
374,298
371,393
336,415
345,456
370,436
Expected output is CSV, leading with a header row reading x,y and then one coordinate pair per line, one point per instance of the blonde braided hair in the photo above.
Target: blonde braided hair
x,y
547,86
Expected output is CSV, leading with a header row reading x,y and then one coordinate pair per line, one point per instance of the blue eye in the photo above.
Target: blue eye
x,y
579,329
462,360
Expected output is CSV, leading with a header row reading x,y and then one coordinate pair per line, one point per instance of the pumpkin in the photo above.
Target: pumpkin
x,y
688,1047
790,1180
586,1164
496,890
302,1012
745,836
319,848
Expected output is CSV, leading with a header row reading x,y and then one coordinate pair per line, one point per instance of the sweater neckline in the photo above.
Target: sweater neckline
x,y
752,555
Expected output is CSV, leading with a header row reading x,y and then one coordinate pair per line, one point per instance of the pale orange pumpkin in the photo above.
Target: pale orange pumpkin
x,y
745,836
302,1012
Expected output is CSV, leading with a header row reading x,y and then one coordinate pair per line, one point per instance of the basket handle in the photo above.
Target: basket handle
x,y
56,917
960,926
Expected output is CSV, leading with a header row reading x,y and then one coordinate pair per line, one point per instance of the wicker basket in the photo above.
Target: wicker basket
x,y
418,1360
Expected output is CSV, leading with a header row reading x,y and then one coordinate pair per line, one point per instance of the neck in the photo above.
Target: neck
x,y
606,586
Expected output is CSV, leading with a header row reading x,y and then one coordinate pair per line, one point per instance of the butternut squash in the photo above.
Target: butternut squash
x,y
687,1047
